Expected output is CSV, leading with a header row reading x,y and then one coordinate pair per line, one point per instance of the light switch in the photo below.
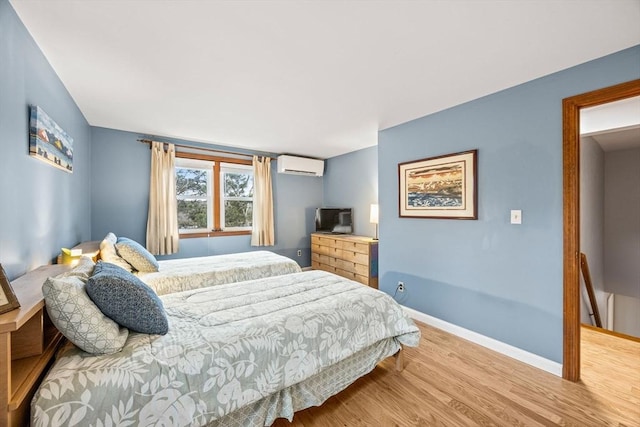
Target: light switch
x,y
516,216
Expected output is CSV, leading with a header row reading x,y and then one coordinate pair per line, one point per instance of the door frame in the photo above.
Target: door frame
x,y
571,213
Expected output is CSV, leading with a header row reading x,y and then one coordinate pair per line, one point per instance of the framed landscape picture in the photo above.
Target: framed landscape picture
x,y
8,300
439,187
48,141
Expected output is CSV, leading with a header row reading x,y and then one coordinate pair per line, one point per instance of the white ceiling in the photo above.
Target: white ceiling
x,y
615,140
615,125
315,78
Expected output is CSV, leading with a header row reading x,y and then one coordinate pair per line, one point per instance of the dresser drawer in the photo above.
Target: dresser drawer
x,y
324,259
335,252
353,276
352,267
364,280
321,258
315,248
355,247
325,241
325,267
356,257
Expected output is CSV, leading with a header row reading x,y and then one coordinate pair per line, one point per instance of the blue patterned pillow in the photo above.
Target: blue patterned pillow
x,y
126,299
136,255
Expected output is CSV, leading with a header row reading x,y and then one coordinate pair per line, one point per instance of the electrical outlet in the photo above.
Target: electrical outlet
x,y
400,287
299,252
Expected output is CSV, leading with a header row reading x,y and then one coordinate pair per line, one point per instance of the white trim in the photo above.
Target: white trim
x,y
185,162
611,304
524,356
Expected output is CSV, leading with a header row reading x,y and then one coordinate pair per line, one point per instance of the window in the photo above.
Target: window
x,y
195,198
236,209
215,195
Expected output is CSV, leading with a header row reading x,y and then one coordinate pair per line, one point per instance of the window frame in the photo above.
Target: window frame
x,y
217,196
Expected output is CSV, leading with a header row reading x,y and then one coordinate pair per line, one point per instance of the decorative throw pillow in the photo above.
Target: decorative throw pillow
x,y
84,268
109,254
127,300
136,255
79,319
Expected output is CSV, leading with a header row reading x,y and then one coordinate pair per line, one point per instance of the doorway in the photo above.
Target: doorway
x,y
571,214
610,215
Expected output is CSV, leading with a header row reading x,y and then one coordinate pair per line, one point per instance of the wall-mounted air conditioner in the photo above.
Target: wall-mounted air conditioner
x,y
300,165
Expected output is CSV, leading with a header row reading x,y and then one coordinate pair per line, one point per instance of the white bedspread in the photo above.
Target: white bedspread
x,y
185,274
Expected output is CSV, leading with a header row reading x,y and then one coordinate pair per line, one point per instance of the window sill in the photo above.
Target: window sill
x,y
215,234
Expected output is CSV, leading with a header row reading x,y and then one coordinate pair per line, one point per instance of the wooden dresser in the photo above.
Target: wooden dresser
x,y
28,341
353,257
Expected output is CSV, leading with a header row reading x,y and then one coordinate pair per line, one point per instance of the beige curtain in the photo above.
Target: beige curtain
x,y
263,230
162,223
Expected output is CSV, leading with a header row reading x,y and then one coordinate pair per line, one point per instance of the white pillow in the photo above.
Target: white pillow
x,y
109,254
84,268
78,318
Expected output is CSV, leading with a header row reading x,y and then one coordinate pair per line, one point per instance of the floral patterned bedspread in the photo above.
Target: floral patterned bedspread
x,y
228,347
184,274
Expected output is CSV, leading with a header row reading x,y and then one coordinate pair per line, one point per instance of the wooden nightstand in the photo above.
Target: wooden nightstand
x,y
28,342
353,257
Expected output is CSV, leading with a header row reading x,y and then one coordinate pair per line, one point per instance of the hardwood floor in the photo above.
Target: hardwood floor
x,y
448,381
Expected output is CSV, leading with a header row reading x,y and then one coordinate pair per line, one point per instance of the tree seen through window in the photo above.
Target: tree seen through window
x,y
238,199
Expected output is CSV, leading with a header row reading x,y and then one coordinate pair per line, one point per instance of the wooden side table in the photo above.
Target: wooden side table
x,y
28,342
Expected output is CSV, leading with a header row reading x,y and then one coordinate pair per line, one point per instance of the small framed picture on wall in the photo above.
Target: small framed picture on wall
x,y
8,300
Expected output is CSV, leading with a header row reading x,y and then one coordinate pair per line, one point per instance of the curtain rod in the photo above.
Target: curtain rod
x,y
149,141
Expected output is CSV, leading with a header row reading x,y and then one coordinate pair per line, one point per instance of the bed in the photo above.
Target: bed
x,y
234,356
192,273
168,276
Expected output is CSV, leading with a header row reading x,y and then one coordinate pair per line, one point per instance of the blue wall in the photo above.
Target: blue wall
x,y
120,200
120,185
41,208
500,280
351,181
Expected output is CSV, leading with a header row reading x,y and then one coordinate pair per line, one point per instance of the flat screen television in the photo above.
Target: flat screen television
x,y
334,220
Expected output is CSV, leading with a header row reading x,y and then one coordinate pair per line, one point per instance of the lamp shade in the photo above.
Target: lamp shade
x,y
373,215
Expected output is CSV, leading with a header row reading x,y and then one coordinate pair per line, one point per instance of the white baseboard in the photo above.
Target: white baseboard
x,y
306,268
534,360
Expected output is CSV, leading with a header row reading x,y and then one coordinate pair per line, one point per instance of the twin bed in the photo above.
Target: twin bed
x,y
175,275
185,274
240,353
